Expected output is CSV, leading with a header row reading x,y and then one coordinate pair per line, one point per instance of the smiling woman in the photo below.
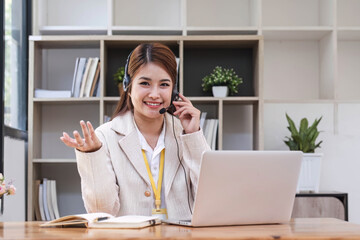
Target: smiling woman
x,y
133,154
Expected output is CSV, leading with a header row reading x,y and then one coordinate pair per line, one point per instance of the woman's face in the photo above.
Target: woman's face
x,y
151,91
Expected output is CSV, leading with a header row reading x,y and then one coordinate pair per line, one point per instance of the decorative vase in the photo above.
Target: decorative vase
x,y
309,180
220,91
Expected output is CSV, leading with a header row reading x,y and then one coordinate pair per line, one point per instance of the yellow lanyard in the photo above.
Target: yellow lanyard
x,y
157,191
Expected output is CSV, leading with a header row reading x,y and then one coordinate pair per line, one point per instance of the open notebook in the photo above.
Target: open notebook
x,y
103,220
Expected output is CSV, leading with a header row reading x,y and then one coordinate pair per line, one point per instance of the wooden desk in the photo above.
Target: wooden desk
x,y
302,228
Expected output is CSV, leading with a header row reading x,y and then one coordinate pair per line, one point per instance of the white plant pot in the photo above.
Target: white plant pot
x,y
220,91
309,179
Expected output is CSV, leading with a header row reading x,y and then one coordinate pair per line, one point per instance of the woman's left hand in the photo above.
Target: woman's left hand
x,y
188,114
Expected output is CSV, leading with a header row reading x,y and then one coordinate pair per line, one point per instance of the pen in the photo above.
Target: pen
x,y
101,219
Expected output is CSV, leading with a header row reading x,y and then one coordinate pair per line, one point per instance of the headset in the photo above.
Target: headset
x,y
171,109
174,95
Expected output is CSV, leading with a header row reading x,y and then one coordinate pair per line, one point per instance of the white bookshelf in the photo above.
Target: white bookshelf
x,y
52,67
306,65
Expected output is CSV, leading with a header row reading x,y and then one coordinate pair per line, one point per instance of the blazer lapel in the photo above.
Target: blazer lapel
x,y
131,147
171,159
130,143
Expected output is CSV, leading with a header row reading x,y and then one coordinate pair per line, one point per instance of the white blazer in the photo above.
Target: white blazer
x,y
114,178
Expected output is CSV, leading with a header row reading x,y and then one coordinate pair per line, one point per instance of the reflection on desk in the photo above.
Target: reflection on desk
x,y
302,228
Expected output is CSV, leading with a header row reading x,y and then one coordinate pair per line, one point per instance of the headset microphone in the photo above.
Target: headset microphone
x,y
163,110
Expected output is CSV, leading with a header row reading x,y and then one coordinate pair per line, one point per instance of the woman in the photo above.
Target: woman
x,y
121,164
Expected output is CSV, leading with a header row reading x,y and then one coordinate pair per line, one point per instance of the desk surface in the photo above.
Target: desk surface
x,y
302,228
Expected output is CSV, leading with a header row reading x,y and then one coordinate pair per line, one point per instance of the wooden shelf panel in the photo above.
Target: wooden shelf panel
x,y
296,33
67,100
73,30
49,160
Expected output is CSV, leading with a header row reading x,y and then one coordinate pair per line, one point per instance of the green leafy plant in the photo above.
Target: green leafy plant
x,y
304,138
222,77
119,75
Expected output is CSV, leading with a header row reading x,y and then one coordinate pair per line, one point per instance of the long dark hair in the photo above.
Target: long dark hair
x,y
146,53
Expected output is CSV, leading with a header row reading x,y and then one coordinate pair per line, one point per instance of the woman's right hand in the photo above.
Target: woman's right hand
x,y
90,142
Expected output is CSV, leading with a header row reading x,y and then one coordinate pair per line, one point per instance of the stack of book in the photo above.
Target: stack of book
x,y
209,127
86,77
46,206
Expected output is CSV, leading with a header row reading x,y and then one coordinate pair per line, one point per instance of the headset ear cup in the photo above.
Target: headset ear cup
x,y
126,80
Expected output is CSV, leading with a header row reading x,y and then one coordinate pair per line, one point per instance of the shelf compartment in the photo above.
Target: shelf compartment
x,y
147,13
67,13
297,12
213,112
295,65
348,83
68,188
116,54
348,13
216,13
201,57
275,123
238,126
56,62
52,119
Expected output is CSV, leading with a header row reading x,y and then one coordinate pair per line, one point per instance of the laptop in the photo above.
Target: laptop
x,y
245,187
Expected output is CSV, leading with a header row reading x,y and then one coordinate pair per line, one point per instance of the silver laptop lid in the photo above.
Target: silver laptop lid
x,y
246,187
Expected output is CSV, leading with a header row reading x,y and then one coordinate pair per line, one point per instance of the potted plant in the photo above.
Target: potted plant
x,y
5,189
119,78
221,81
304,139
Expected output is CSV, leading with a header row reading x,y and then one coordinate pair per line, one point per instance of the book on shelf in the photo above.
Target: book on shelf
x,y
214,134
49,200
103,220
44,199
202,119
54,199
74,77
44,93
96,80
85,76
46,206
40,203
91,77
210,132
36,200
79,75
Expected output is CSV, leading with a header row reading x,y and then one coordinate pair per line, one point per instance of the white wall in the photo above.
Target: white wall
x,y
341,144
14,169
